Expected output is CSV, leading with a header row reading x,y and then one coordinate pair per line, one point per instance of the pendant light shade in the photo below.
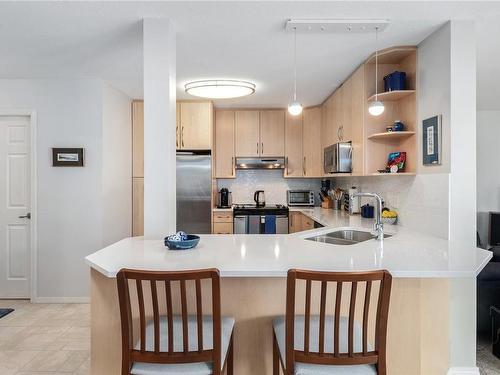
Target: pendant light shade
x,y
376,108
295,108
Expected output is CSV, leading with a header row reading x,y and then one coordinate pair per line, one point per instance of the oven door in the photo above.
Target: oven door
x,y
240,224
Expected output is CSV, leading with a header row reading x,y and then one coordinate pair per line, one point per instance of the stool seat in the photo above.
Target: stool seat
x,y
198,368
314,369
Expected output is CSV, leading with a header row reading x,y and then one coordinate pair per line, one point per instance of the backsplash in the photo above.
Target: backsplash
x,y
421,201
272,182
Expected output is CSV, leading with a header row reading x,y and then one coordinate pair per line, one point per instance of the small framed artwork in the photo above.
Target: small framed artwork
x,y
67,157
431,140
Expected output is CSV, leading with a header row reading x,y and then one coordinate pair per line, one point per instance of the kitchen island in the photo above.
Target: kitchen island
x,y
253,270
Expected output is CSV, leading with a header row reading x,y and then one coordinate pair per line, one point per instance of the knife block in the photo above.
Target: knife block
x,y
327,203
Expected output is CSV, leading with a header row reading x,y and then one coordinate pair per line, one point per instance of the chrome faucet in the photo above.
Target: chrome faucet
x,y
379,226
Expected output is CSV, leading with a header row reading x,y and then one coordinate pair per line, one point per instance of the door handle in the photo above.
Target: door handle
x,y
27,216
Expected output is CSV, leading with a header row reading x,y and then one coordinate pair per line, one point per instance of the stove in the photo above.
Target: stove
x,y
252,209
253,219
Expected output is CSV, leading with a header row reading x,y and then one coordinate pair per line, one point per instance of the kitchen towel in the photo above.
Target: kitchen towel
x,y
270,226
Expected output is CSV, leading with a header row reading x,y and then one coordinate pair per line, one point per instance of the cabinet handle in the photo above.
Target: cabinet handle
x,y
182,136
286,164
257,148
262,148
338,133
304,166
233,165
177,137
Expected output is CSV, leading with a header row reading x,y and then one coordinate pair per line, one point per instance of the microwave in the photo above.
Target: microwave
x,y
338,158
300,198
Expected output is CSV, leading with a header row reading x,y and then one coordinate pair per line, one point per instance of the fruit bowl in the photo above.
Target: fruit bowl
x,y
389,220
186,242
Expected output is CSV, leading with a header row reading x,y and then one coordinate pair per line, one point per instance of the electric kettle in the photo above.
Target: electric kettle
x,y
259,198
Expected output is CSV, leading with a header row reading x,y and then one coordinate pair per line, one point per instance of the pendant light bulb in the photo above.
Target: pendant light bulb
x,y
376,108
295,108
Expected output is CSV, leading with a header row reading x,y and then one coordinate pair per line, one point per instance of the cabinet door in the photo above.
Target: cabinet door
x,y
177,125
337,115
137,206
328,135
357,120
272,133
196,125
307,222
294,222
345,121
224,144
247,139
311,142
137,139
293,146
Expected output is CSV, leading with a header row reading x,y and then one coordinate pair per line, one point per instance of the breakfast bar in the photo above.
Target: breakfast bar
x,y
253,272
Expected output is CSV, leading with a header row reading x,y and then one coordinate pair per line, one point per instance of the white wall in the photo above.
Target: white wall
x,y
70,211
117,165
488,169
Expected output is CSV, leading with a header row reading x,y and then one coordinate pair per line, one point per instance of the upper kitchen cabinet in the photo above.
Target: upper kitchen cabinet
x,y
247,133
400,105
312,151
272,133
294,162
195,126
224,144
137,138
358,108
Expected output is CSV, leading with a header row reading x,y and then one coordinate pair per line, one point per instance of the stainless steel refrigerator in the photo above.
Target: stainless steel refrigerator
x,y
194,188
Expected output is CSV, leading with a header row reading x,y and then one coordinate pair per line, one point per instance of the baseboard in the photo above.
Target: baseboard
x,y
463,371
60,300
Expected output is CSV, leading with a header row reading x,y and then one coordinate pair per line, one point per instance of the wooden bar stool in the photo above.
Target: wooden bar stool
x,y
168,342
333,342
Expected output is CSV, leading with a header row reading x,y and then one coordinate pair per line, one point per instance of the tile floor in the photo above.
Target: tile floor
x,y
45,339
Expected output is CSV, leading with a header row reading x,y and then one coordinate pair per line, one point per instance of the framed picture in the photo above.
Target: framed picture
x,y
431,140
67,157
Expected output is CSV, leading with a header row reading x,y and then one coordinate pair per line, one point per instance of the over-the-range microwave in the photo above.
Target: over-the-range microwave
x,y
338,158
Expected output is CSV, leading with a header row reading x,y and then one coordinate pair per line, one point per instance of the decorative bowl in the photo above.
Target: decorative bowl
x,y
389,220
191,242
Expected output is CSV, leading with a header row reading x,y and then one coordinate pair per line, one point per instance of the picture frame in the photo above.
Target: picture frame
x,y
68,157
431,140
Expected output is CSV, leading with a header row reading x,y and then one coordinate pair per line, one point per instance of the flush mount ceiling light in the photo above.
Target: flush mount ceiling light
x,y
295,108
376,108
219,88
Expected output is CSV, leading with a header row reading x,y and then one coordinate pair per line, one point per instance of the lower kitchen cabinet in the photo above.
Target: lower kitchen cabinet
x,y
222,222
297,222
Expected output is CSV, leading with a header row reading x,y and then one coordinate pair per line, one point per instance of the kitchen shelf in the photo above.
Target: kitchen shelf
x,y
392,135
392,55
392,96
395,174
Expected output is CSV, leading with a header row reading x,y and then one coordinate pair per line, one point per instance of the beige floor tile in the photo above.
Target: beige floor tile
x,y
14,360
57,360
84,369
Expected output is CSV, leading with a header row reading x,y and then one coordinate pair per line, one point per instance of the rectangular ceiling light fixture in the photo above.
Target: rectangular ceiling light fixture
x,y
335,25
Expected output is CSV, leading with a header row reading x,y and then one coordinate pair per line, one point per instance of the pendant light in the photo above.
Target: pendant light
x,y
376,108
295,108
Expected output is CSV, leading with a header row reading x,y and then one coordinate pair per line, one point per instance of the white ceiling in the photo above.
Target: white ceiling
x,y
242,40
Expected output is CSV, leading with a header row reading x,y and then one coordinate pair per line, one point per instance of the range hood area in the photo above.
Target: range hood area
x,y
260,163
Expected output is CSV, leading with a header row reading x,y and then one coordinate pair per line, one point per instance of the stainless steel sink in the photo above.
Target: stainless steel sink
x,y
344,237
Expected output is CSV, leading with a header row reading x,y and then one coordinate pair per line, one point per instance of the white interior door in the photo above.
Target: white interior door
x,y
15,242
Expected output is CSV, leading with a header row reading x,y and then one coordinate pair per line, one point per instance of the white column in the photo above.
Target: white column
x,y
159,54
462,198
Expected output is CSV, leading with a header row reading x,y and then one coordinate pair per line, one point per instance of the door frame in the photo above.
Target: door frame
x,y
33,195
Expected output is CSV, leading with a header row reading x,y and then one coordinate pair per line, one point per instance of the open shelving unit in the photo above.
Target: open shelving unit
x,y
399,106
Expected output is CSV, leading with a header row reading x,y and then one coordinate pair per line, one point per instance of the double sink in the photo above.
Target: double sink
x,y
344,237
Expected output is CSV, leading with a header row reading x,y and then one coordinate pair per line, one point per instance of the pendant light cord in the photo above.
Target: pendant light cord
x,y
294,64
376,63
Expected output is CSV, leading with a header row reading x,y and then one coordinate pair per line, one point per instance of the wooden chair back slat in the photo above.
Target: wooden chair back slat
x,y
170,316
307,316
142,314
352,311
185,328
355,354
322,311
366,312
156,353
336,325
156,316
199,315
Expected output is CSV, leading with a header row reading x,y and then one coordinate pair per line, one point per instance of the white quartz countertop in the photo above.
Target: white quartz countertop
x,y
405,254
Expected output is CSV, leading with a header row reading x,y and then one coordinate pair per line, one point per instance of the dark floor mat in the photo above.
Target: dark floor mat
x,y
4,312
